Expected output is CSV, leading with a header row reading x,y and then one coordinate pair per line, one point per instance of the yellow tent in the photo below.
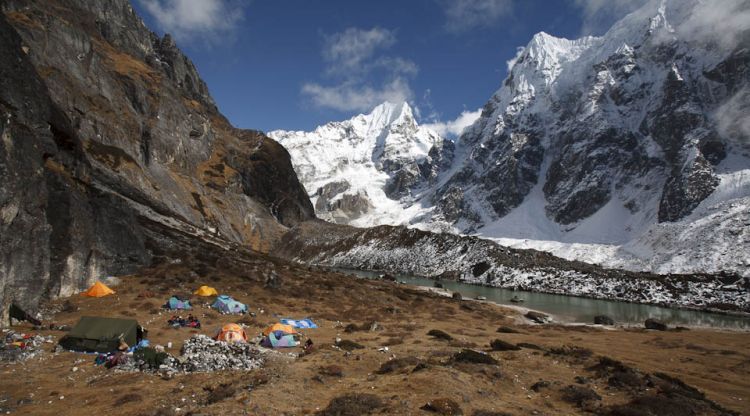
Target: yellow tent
x,y
206,291
287,329
98,290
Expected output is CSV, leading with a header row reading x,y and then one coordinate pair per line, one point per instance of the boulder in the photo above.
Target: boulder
x,y
537,317
500,345
655,324
539,385
603,320
443,406
475,357
438,334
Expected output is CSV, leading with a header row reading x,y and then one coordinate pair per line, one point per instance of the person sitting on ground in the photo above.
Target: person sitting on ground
x,y
308,348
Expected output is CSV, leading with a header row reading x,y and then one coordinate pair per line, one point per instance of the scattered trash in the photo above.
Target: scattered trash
x,y
16,346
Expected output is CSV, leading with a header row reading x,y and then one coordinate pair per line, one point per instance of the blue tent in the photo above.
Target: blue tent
x,y
279,339
225,304
176,302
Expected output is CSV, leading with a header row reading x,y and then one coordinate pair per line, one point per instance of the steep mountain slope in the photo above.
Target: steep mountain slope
x,y
622,140
113,153
631,149
368,169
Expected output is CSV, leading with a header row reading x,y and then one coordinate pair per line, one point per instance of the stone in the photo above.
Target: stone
x,y
655,324
541,384
603,320
537,317
443,406
500,345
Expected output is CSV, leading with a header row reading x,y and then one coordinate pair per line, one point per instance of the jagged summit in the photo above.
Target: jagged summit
x,y
389,113
368,166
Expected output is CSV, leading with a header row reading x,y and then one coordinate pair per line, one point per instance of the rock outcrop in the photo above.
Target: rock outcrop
x,y
112,149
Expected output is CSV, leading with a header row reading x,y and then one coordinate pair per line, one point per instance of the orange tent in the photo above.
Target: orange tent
x,y
231,333
98,290
287,329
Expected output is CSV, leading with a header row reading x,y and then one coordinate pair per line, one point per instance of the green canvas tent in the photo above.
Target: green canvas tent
x,y
97,334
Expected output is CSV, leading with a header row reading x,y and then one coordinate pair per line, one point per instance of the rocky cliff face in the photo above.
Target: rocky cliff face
x,y
111,145
361,170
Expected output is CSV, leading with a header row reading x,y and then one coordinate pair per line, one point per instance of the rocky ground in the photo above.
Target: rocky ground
x,y
556,369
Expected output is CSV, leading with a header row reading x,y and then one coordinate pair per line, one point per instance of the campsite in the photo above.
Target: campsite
x,y
372,343
340,208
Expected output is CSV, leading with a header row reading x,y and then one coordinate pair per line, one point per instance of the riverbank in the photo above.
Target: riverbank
x,y
572,309
469,259
532,376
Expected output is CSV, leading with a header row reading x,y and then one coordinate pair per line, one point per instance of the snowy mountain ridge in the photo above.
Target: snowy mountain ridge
x,y
366,169
631,149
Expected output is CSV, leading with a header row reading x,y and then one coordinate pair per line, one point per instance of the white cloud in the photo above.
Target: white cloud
x,y
512,61
353,96
362,76
732,117
349,49
208,20
463,15
600,15
724,23
454,128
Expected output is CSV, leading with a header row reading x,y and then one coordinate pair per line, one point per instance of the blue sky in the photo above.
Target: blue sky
x,y
295,64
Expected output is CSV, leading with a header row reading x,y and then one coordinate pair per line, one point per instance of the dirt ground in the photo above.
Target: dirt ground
x,y
716,363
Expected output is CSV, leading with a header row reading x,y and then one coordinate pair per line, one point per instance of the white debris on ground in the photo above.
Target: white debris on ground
x,y
201,353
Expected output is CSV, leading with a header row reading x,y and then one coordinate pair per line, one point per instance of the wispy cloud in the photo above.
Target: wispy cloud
x,y
463,15
350,49
599,15
454,128
188,20
512,61
357,97
732,117
362,75
725,23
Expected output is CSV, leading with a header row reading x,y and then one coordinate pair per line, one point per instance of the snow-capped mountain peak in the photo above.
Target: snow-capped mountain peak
x,y
625,140
366,168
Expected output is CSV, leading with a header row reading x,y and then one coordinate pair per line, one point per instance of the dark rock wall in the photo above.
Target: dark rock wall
x,y
109,139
